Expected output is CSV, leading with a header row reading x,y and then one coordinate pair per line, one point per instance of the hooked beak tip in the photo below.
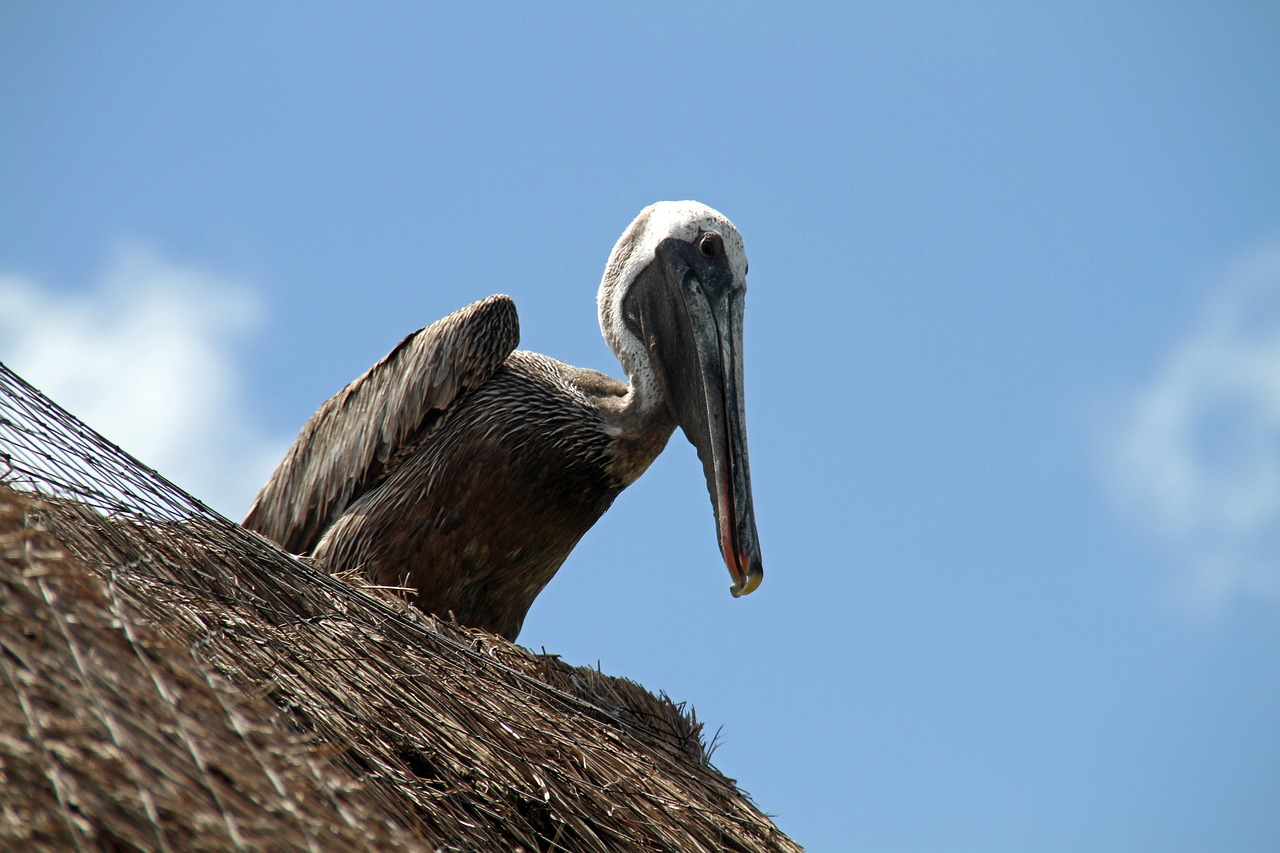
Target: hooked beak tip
x,y
747,584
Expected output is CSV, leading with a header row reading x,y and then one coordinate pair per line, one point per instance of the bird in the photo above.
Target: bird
x,y
465,470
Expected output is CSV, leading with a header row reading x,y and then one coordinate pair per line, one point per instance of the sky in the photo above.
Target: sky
x,y
1012,352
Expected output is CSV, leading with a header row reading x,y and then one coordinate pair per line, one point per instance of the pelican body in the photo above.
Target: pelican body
x,y
466,470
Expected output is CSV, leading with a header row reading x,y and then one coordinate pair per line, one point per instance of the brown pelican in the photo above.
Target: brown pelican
x,y
467,470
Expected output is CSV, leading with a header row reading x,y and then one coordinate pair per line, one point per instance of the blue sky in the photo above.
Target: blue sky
x,y
1013,352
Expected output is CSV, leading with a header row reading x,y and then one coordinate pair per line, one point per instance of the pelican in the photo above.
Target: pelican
x,y
466,470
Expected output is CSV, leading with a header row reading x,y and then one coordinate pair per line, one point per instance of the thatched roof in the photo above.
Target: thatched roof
x,y
172,681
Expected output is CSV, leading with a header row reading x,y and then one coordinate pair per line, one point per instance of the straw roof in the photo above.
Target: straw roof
x,y
174,682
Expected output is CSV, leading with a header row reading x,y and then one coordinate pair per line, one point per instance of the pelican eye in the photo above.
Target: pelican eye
x,y
710,245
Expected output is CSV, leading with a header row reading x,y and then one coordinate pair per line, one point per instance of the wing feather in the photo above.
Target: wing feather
x,y
361,434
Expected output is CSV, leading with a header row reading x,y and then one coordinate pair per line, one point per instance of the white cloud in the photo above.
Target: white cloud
x,y
1197,454
146,357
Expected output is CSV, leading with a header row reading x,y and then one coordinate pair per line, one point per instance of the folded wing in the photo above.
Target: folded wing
x,y
361,435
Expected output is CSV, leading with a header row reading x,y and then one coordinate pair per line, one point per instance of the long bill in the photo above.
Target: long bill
x,y
693,331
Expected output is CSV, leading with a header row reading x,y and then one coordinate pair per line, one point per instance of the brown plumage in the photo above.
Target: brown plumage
x,y
467,471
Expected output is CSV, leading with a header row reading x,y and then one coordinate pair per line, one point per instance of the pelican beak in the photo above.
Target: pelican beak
x,y
688,313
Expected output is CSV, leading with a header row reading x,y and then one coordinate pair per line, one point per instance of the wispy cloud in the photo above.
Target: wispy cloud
x,y
146,357
1197,451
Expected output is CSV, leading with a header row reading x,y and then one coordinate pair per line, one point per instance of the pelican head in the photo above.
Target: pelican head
x,y
671,309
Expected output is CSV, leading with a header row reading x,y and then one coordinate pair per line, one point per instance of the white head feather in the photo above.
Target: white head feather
x,y
636,249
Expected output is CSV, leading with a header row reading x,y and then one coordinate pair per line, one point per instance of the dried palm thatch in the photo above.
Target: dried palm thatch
x,y
169,681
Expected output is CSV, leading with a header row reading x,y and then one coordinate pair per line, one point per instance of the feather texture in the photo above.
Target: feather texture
x,y
364,432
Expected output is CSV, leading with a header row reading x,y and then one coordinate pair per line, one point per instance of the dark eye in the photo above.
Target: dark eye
x,y
710,245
